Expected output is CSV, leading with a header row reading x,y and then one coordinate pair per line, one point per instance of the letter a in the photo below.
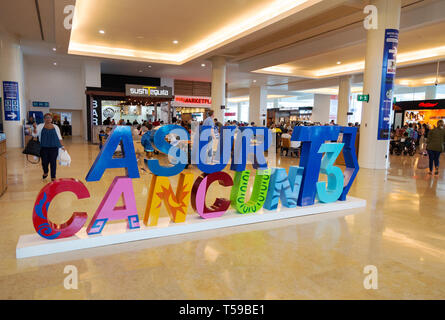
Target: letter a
x,y
105,158
107,210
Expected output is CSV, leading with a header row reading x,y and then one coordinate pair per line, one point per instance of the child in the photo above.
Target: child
x,y
102,138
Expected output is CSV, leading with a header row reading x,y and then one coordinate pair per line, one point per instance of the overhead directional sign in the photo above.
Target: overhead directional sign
x,y
12,102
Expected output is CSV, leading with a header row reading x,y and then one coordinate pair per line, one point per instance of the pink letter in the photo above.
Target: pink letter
x,y
107,210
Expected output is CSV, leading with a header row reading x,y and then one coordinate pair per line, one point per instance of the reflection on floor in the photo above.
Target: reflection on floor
x,y
401,232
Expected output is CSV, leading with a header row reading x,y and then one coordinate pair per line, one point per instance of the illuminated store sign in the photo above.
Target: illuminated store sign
x,y
134,90
193,100
428,105
299,187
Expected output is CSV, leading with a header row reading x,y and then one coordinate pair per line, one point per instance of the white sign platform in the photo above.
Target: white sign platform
x,y
32,245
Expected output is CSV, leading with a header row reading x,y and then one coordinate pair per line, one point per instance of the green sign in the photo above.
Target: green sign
x,y
40,104
363,97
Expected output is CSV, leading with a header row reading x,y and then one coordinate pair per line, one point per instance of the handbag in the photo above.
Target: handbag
x,y
64,158
32,148
423,162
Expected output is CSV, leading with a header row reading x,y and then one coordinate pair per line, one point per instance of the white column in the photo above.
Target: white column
x,y
238,116
258,105
91,74
344,93
218,86
430,92
166,110
321,110
11,69
374,153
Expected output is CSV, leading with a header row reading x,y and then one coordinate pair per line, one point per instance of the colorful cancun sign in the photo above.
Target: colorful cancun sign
x,y
298,187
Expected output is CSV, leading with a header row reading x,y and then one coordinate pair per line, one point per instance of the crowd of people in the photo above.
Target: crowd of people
x,y
425,138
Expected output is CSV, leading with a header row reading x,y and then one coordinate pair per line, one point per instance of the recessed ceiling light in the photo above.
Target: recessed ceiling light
x,y
175,41
254,81
54,49
203,65
140,37
149,66
55,63
101,31
338,62
140,70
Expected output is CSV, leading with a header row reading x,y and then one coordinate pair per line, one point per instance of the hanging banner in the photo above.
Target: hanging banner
x,y
388,76
12,102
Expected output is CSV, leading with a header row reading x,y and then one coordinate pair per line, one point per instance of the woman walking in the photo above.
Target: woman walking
x,y
434,146
50,142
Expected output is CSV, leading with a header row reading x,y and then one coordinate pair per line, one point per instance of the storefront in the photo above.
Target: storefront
x,y
425,111
292,116
128,100
190,107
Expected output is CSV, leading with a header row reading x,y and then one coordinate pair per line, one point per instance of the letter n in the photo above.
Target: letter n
x,y
162,191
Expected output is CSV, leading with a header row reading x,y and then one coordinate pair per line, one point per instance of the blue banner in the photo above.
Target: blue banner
x,y
11,100
388,76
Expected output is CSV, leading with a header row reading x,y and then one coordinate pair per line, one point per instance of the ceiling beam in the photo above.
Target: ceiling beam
x,y
413,17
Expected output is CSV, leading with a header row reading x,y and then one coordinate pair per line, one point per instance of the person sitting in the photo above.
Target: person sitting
x,y
128,123
285,142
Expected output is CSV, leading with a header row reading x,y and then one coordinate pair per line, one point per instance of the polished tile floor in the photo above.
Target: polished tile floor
x,y
401,232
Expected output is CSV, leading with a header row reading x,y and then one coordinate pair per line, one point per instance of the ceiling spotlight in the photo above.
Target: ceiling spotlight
x,y
101,31
55,63
338,62
140,70
54,49
149,66
254,81
203,65
175,41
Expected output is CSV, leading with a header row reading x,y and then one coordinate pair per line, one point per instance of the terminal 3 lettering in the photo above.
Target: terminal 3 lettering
x,y
298,187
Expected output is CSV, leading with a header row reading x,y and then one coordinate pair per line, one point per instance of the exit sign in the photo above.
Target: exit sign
x,y
363,97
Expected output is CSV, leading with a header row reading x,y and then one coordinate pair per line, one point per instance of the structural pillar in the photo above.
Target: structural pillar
x,y
430,92
258,105
218,86
322,107
373,152
11,69
344,94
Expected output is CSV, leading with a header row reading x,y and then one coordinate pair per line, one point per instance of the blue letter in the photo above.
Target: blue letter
x,y
105,160
350,156
172,151
335,175
284,188
311,139
244,147
224,148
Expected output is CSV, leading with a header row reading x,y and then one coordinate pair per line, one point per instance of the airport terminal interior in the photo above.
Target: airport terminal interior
x,y
344,100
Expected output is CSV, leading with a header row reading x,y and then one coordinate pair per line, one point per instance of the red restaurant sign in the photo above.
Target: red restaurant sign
x,y
428,105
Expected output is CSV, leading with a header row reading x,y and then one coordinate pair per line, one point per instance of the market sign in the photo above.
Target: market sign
x,y
298,190
181,100
135,90
230,114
